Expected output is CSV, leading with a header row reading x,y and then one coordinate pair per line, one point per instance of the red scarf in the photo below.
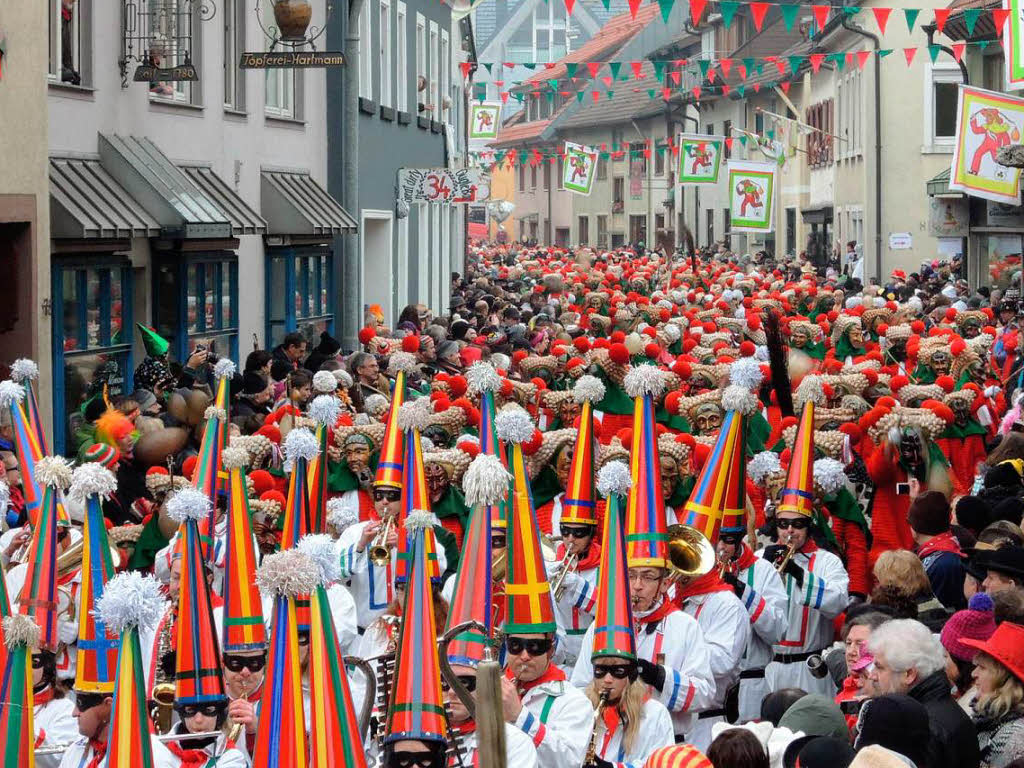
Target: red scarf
x,y
703,585
809,547
551,675
42,697
746,558
663,610
99,751
190,758
591,561
944,542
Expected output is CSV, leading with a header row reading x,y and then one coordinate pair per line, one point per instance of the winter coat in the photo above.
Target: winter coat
x,y
954,743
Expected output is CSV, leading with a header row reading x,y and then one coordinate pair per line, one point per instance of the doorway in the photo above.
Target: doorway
x,y
377,255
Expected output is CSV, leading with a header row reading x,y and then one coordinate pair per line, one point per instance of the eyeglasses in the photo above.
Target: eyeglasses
x,y
535,646
391,494
468,682
644,576
238,663
576,532
412,759
38,660
498,542
795,523
191,710
86,701
618,671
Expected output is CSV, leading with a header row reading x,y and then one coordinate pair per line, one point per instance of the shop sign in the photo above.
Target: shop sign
x,y
1003,215
148,73
442,185
900,241
947,217
291,59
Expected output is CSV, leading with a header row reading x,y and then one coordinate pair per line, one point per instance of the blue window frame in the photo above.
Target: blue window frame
x,y
307,276
93,320
196,301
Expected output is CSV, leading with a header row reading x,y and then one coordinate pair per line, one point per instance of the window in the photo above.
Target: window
x,y
849,120
726,223
617,140
659,160
618,194
710,212
234,45
791,230
280,92
92,327
710,130
637,158
602,231
561,236
522,177
384,53
444,101
727,132
561,173
638,229
365,52
402,81
583,231
305,275
171,47
434,52
68,35
820,144
422,94
196,301
602,166
547,173
533,176
940,105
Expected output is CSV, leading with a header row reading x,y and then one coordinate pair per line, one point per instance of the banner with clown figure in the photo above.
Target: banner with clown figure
x,y
751,196
579,169
700,159
987,121
483,120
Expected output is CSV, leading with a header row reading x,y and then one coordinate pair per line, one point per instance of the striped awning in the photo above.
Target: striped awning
x,y
294,204
87,203
244,220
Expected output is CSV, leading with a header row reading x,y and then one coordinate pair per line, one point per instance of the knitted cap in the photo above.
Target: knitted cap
x,y
929,513
104,454
977,622
677,756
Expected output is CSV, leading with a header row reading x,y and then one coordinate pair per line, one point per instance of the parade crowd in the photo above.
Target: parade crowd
x,y
615,509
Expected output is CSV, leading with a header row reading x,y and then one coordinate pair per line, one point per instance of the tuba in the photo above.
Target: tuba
x,y
690,554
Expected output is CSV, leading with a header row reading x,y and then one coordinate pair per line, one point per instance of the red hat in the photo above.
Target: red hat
x,y
1006,645
104,454
977,622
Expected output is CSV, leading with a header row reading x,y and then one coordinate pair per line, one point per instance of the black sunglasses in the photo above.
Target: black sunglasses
x,y
498,542
390,494
795,523
576,531
38,660
191,710
412,760
238,663
86,701
468,682
536,646
618,671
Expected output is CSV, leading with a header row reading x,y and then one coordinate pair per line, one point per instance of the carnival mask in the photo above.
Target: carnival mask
x,y
438,436
798,339
669,476
563,463
941,362
971,329
357,454
568,411
709,418
961,412
856,336
910,449
437,481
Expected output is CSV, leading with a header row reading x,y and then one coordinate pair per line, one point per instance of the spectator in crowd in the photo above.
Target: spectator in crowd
x,y
976,622
999,705
938,548
903,571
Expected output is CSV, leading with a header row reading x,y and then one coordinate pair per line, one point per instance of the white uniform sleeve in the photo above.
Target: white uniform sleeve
x,y
655,732
343,611
564,738
352,562
519,750
826,589
767,603
689,683
583,671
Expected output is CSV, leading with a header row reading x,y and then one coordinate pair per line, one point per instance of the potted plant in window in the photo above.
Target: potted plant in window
x,y
292,18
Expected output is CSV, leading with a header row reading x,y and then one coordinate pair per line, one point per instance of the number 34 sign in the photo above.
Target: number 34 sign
x,y
442,185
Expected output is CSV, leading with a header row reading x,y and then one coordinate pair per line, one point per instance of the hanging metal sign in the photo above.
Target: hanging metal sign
x,y
292,59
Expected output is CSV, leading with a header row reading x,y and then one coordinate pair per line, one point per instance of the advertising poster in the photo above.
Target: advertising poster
x,y
751,196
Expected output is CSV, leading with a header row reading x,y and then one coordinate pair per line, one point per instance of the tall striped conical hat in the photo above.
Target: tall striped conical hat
x,y
483,379
300,448
579,504
527,592
39,594
25,372
334,729
646,530
324,410
208,476
390,463
485,482
798,492
17,724
415,494
130,603
243,608
281,727
416,707
718,499
5,611
613,620
198,676
96,664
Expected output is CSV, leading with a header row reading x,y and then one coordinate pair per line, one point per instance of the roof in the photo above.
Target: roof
x,y
296,205
517,132
491,17
244,220
630,98
984,28
86,202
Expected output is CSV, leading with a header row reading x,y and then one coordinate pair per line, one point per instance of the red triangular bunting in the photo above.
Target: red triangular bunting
x,y
666,93
504,97
780,64
711,75
696,10
820,15
757,87
500,84
862,58
881,17
785,86
909,53
728,143
726,89
941,14
999,17
634,6
510,65
464,66
816,60
741,70
547,65
758,10
958,50
696,92
596,95
607,81
726,65
592,67
676,78
636,66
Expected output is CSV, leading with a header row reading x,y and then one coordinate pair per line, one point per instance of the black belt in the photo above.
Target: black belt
x,y
709,713
793,658
361,630
752,674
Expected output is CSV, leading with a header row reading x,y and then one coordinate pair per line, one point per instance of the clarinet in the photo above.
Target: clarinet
x,y
602,704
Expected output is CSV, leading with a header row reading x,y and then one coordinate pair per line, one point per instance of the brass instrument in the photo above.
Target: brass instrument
x,y
781,563
602,704
18,555
566,566
690,554
727,565
71,558
380,553
162,709
371,692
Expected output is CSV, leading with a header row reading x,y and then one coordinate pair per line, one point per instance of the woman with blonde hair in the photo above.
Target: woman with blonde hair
x,y
999,706
902,570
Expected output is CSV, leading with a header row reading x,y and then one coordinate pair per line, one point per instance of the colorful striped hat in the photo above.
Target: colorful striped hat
x,y
486,483
5,611
646,531
798,492
390,463
613,620
96,663
415,495
529,607
208,476
21,635
198,676
483,379
131,603
101,453
243,609
25,372
718,499
324,410
678,756
300,448
416,707
580,502
281,727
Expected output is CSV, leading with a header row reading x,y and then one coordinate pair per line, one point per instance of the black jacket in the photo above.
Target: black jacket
x,y
954,742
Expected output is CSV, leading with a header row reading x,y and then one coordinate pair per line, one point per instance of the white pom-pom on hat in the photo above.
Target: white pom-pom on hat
x,y
762,465
188,504
234,457
224,369
131,601
325,382
644,380
213,412
514,425
341,515
614,477
319,547
739,399
301,444
375,404
811,390
10,393
588,389
287,574
419,520
20,629
24,370
486,481
92,479
829,474
402,362
324,409
54,471
414,414
746,373
481,377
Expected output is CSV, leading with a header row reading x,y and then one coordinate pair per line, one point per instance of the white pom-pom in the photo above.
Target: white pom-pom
x,y
739,399
324,382
375,404
514,425
426,444
287,574
762,465
671,331
20,629
634,343
340,515
402,362
324,409
486,481
419,520
224,369
10,393
810,391
130,601
24,370
761,353
92,479
644,380
54,471
5,496
319,547
588,389
361,420
746,373
854,301
614,477
471,440
481,377
829,474
414,414
188,504
343,377
234,457
213,412
301,444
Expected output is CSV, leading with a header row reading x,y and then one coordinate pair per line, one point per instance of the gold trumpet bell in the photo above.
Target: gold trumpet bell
x,y
690,554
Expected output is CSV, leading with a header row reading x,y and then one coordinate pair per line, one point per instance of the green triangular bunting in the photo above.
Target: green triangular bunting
x,y
615,66
971,16
570,69
666,9
911,14
789,14
728,9
933,51
704,65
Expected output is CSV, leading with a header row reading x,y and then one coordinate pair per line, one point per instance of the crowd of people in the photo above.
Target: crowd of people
x,y
627,509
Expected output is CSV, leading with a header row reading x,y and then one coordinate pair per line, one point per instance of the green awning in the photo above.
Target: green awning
x,y
939,186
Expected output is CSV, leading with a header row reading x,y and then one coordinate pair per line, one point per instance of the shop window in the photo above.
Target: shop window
x,y
196,302
68,22
92,337
305,275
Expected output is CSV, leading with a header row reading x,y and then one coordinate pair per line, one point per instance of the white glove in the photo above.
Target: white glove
x,y
67,632
992,390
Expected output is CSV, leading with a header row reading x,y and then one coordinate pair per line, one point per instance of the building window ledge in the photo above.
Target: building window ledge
x,y
232,112
404,118
423,122
72,91
937,149
160,105
367,106
435,126
387,113
285,122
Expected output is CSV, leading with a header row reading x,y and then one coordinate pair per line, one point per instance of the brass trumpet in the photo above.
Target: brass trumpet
x,y
380,552
781,563
566,566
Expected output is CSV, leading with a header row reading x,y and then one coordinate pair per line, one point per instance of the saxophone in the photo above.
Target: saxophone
x,y
162,708
602,704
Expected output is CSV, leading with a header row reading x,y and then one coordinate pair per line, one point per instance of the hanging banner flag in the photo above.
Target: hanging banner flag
x,y
1013,44
700,159
483,120
579,169
987,122
751,196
